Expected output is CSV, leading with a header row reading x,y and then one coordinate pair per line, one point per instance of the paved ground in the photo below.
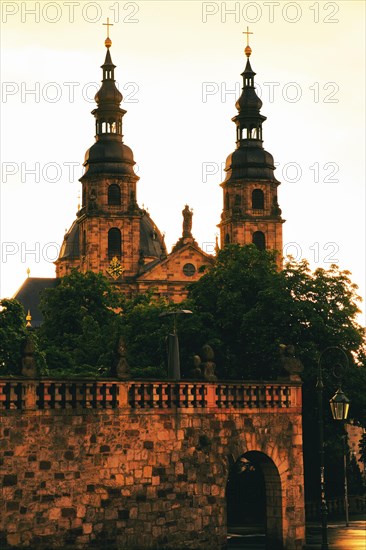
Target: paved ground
x,y
340,537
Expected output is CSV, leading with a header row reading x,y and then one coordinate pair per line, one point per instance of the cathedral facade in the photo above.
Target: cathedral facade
x,y
113,235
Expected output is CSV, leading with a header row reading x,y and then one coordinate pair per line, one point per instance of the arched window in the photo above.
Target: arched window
x,y
114,194
114,242
259,240
257,199
227,238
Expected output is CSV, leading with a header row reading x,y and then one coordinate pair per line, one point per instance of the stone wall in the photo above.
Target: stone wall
x,y
139,465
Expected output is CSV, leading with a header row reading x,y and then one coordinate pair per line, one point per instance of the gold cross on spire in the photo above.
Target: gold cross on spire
x,y
245,32
248,49
108,24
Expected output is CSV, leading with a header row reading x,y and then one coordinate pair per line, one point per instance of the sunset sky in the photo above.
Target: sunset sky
x,y
178,67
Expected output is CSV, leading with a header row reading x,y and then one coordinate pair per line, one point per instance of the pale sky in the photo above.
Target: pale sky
x,y
178,67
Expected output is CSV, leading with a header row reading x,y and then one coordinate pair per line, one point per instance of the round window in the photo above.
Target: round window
x,y
189,270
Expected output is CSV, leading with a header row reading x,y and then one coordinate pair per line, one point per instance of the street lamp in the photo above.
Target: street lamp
x,y
339,405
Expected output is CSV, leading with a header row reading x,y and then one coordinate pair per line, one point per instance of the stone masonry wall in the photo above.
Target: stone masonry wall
x,y
138,476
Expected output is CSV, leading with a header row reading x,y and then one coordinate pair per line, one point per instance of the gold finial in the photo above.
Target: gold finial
x,y
108,41
28,272
29,320
248,49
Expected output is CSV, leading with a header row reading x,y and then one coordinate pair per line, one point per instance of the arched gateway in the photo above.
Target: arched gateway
x,y
113,464
254,498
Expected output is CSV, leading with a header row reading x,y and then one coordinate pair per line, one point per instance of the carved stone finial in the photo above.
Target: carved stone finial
x,y
122,368
29,367
204,365
290,363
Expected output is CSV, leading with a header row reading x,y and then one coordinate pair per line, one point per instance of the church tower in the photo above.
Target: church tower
x,y
111,233
250,209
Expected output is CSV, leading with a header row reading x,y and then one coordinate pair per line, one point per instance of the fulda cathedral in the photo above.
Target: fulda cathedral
x,y
113,235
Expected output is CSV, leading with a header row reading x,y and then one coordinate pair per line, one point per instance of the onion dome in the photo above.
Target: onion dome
x,y
108,93
248,101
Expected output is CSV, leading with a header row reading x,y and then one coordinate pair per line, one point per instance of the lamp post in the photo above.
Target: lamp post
x,y
173,344
339,405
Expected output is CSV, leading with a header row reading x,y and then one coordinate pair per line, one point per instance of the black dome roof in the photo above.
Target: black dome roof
x,y
109,155
108,93
151,241
70,246
249,102
250,162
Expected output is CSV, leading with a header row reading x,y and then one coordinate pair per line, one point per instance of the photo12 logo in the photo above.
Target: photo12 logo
x,y
291,92
50,172
29,252
318,253
291,172
53,12
53,92
270,12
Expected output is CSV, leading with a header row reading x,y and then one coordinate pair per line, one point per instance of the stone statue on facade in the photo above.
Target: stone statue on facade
x,y
92,200
187,221
187,237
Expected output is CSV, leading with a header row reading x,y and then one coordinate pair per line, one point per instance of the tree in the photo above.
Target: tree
x,y
231,305
13,333
145,334
84,317
245,307
80,327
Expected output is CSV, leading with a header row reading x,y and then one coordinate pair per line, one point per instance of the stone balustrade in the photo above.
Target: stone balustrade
x,y
47,394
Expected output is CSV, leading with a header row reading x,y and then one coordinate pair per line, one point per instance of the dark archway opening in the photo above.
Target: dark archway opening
x,y
254,503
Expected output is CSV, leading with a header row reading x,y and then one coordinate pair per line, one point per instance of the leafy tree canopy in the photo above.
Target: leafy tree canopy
x,y
247,308
80,325
13,333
